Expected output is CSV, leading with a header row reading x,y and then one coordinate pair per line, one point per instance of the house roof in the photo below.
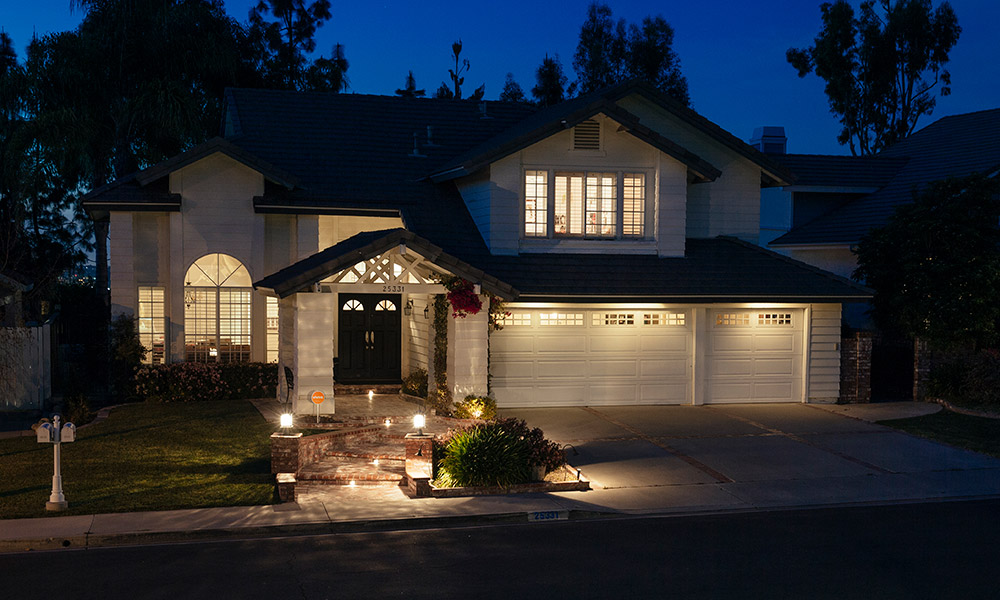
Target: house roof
x,y
823,170
713,269
553,119
149,189
366,245
950,147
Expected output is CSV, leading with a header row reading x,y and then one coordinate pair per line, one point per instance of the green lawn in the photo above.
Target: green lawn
x,y
146,457
972,433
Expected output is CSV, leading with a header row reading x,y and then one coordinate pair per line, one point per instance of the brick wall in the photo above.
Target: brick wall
x,y
856,368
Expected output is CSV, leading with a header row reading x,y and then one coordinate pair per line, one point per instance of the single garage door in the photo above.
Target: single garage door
x,y
592,356
754,356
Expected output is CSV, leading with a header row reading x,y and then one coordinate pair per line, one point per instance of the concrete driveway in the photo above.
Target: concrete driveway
x,y
726,456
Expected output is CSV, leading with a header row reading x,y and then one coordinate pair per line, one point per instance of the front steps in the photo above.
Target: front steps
x,y
363,459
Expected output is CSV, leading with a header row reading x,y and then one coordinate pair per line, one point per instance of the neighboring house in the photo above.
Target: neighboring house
x,y
836,200
621,227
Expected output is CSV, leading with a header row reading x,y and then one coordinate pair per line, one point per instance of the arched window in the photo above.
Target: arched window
x,y
217,290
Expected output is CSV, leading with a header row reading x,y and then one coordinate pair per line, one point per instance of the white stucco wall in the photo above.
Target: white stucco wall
x,y
468,359
314,350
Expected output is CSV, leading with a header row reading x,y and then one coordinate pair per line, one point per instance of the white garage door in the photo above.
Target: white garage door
x,y
754,356
589,356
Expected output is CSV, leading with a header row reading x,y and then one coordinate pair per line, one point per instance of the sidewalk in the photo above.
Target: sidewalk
x,y
355,509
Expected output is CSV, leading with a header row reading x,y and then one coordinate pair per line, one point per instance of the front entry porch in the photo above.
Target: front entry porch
x,y
361,313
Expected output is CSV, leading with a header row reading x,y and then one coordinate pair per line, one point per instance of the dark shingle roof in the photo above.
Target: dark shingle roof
x,y
841,171
717,269
950,147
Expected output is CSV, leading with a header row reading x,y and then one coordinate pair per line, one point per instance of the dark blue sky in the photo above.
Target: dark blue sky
x,y
732,52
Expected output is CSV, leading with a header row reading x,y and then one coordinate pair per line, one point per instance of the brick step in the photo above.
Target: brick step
x,y
341,470
361,389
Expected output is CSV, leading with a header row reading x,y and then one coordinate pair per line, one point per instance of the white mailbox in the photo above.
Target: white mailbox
x,y
68,433
44,433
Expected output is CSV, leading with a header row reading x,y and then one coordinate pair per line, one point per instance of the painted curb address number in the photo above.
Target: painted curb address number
x,y
548,515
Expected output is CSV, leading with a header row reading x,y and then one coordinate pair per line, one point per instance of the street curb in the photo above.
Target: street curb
x,y
86,541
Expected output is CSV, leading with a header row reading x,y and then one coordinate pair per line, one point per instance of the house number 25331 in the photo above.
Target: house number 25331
x,y
393,288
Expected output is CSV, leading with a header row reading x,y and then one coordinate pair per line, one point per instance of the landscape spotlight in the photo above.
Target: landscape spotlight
x,y
286,420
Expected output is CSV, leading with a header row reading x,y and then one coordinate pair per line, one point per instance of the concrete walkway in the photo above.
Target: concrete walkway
x,y
641,460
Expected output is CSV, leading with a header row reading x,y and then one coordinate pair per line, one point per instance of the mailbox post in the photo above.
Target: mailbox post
x,y
51,433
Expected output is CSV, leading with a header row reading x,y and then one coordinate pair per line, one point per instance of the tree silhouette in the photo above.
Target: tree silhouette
x,y
512,91
409,89
550,87
881,67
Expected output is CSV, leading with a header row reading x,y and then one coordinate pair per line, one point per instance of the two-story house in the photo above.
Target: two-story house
x,y
620,227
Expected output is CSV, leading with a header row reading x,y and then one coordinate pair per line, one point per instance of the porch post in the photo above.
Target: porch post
x,y
468,358
314,350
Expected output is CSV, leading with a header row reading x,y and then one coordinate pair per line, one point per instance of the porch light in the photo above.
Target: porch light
x,y
408,309
427,312
418,422
286,420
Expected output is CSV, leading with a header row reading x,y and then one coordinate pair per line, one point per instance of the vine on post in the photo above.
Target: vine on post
x,y
440,397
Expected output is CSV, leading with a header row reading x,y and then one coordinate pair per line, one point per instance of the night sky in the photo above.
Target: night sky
x,y
731,52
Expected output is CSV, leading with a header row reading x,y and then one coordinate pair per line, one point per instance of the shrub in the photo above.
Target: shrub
x,y
415,384
193,382
543,452
485,454
968,378
126,356
476,407
496,453
77,410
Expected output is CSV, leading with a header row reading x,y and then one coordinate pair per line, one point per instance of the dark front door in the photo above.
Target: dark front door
x,y
369,338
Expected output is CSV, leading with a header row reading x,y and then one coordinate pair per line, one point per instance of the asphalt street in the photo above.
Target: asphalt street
x,y
939,550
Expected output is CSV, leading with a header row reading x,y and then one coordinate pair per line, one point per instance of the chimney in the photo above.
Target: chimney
x,y
482,110
770,140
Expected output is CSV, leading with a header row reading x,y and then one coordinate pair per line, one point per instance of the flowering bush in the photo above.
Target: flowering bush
x,y
193,382
463,297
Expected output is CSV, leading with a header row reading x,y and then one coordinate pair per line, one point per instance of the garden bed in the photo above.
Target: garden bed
x,y
560,480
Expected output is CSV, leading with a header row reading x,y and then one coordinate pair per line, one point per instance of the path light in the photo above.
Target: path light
x,y
375,462
418,422
371,394
388,421
286,420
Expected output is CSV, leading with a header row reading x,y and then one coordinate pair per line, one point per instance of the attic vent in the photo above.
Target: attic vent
x,y
587,136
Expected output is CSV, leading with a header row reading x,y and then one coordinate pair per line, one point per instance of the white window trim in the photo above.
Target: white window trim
x,y
550,196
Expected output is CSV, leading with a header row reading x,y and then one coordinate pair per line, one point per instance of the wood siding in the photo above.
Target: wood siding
x,y
824,353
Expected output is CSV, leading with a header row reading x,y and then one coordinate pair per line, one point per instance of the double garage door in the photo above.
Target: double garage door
x,y
600,356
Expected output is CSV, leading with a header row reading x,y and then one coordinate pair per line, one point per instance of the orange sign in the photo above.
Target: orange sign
x,y
317,397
